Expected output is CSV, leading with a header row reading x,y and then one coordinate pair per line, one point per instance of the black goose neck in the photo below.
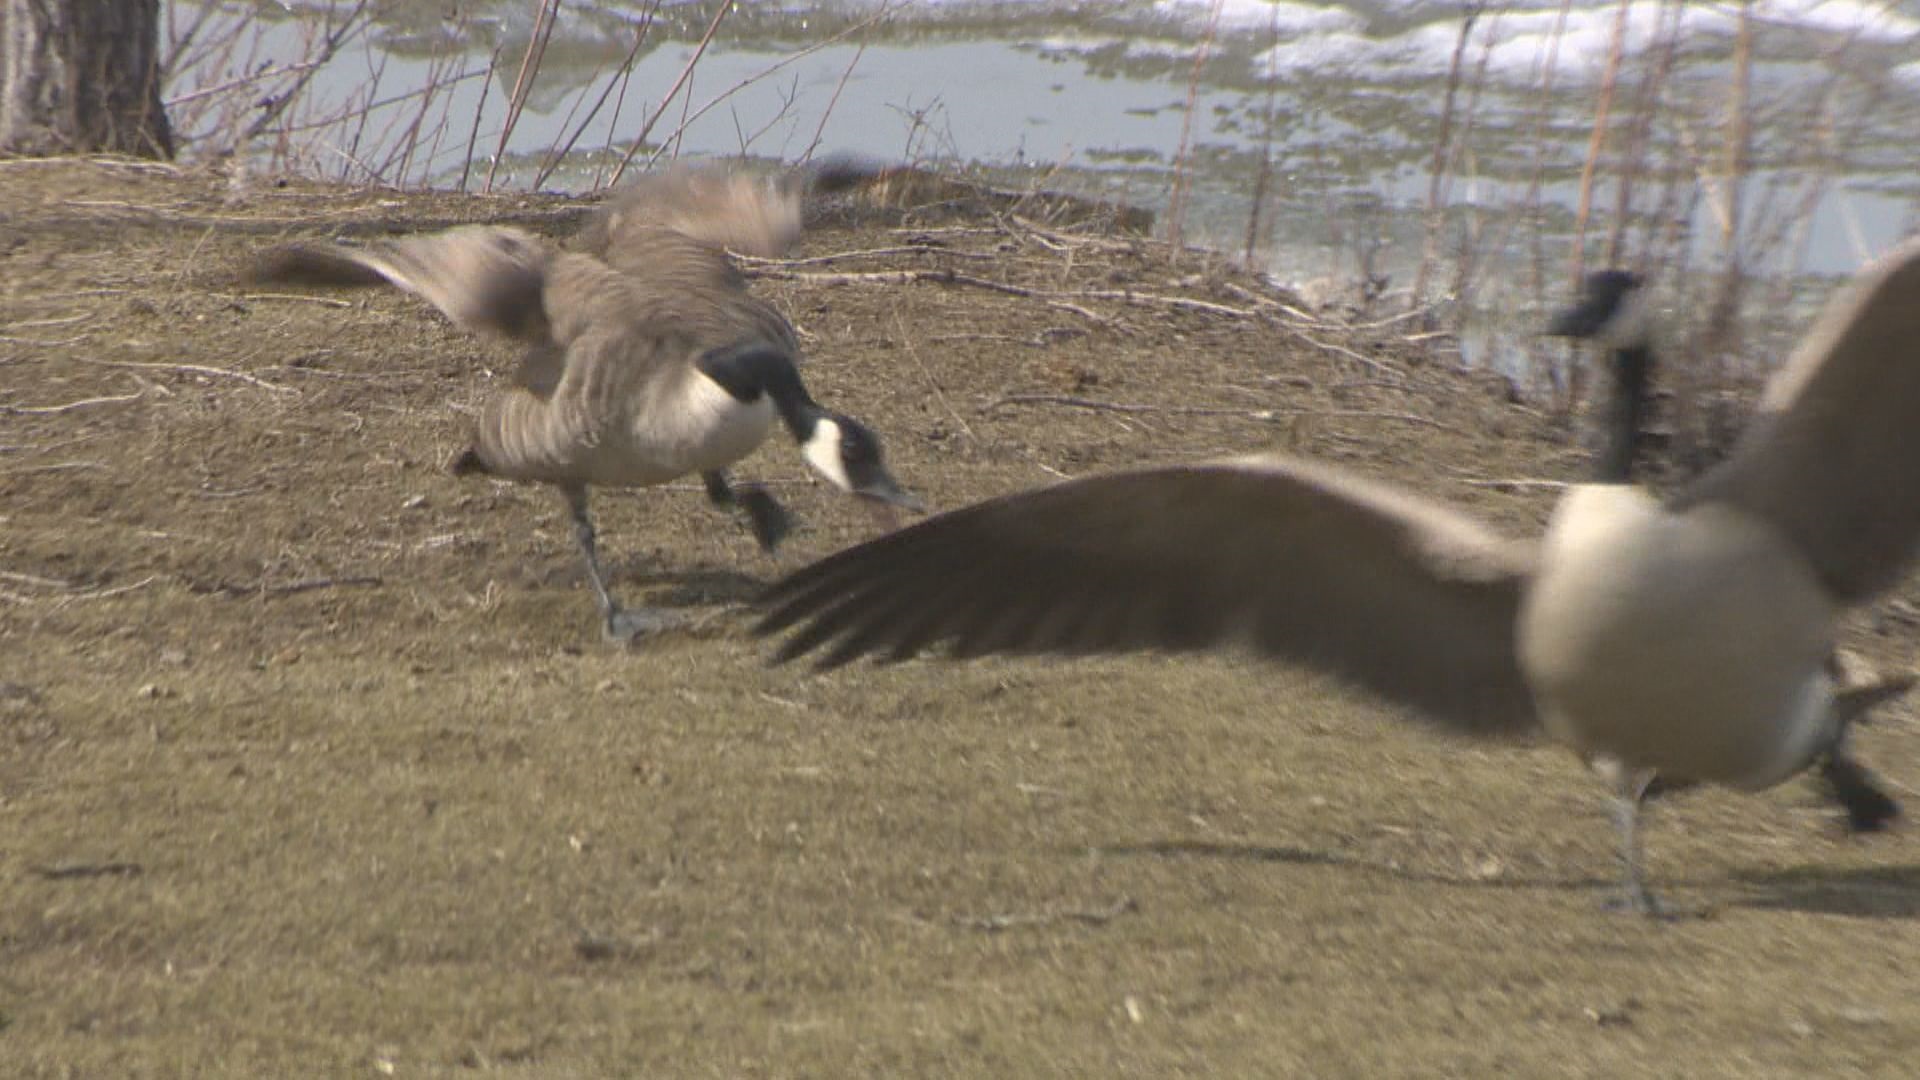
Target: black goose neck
x,y
747,371
1626,413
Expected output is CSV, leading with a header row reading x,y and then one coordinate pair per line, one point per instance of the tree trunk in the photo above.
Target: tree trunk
x,y
79,76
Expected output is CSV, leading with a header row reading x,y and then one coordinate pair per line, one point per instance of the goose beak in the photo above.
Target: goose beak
x,y
885,498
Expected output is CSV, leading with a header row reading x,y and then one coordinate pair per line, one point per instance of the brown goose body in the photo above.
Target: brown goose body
x,y
646,356
611,395
1690,639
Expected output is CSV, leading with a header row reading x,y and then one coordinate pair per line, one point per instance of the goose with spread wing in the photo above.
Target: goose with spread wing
x,y
646,356
1614,311
1688,639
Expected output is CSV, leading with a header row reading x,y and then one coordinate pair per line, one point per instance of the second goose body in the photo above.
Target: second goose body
x,y
1613,311
646,357
1688,639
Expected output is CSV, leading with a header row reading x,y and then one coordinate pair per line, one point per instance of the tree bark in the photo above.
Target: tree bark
x,y
82,76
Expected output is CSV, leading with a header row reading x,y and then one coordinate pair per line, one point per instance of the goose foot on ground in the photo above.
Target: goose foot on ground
x,y
630,626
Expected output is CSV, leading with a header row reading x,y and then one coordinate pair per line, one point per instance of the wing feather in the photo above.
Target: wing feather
x,y
1402,596
1833,458
483,277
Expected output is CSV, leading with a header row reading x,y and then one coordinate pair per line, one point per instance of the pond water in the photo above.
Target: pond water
x,y
1341,105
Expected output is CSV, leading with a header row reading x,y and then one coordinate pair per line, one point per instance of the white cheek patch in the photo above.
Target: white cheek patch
x,y
822,451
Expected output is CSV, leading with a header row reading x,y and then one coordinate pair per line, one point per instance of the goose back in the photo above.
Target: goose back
x,y
674,281
613,397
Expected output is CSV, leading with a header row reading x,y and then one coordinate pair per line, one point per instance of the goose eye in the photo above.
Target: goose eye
x,y
856,447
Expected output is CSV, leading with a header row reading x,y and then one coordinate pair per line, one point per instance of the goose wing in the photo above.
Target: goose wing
x,y
717,207
483,277
1833,458
1305,563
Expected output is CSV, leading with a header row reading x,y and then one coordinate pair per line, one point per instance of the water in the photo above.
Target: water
x,y
1345,100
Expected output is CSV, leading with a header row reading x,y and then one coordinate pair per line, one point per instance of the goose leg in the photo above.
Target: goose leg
x,y
1854,787
1848,782
1629,795
765,516
618,623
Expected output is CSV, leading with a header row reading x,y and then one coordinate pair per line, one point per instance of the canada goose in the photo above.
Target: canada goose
x,y
1614,311
1688,639
646,356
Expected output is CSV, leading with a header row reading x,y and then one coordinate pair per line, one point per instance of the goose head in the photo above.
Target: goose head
x,y
1612,310
847,453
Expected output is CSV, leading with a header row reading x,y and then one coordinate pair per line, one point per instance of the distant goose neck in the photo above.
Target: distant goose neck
x,y
1626,413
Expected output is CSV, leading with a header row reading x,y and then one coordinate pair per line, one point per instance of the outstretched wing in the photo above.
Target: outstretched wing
x,y
720,208
1303,563
1833,458
483,277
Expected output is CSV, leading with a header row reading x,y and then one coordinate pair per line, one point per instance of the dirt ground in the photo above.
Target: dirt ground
x,y
312,761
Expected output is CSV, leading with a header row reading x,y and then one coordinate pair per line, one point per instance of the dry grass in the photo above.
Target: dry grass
x,y
311,761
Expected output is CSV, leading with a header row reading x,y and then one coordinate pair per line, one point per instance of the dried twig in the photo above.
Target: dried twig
x,y
543,21
297,298
1177,201
34,580
190,369
71,406
288,588
1070,402
69,871
866,253
686,72
119,590
938,277
39,343
558,153
1090,916
60,466
1512,483
1603,110
349,28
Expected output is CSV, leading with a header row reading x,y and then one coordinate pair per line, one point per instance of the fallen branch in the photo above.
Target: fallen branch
x,y
190,369
864,253
993,924
33,579
69,320
938,277
67,598
1060,298
39,344
288,588
1117,407
69,871
326,301
71,406
1505,484
101,594
1340,350
1200,410
58,466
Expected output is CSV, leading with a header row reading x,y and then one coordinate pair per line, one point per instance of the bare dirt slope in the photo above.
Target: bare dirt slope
x,y
312,761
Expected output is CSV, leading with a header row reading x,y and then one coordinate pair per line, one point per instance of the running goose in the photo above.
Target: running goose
x,y
1614,311
646,358
1688,639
